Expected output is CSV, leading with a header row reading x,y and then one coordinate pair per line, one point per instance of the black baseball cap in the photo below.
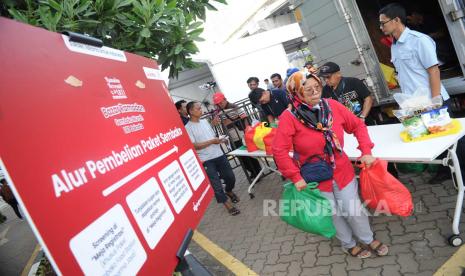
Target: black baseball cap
x,y
328,68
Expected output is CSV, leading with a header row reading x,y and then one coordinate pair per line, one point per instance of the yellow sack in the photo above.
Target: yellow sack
x,y
259,136
389,75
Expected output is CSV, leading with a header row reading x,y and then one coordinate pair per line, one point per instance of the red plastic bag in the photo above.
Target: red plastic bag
x,y
383,192
387,40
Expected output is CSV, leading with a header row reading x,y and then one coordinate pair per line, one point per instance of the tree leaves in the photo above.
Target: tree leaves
x,y
178,49
145,33
211,7
195,25
165,29
53,4
17,15
195,33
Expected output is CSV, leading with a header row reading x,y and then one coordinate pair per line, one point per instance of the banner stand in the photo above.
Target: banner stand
x,y
188,265
83,39
105,132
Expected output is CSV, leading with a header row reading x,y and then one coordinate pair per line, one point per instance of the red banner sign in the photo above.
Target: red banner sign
x,y
96,154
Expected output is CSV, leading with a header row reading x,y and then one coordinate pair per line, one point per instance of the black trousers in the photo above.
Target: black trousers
x,y
217,169
14,204
251,164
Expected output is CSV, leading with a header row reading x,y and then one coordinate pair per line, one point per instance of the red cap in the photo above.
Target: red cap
x,y
218,97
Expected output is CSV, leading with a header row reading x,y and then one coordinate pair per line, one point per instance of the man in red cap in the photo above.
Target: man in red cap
x,y
218,98
235,120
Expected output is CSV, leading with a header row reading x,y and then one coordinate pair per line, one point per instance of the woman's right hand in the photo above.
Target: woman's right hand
x,y
368,160
300,185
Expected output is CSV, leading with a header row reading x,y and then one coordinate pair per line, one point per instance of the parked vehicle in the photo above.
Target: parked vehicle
x,y
347,32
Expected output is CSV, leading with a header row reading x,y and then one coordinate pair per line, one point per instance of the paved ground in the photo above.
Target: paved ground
x,y
268,246
17,242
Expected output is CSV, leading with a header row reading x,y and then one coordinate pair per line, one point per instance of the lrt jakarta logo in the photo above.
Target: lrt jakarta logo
x,y
116,89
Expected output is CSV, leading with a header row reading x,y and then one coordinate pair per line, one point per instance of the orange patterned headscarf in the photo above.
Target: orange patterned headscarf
x,y
324,121
295,84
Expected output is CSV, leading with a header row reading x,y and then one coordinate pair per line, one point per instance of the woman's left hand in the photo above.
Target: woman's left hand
x,y
367,160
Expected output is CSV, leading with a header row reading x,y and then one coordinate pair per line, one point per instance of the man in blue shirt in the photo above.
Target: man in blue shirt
x,y
412,53
414,56
278,81
273,102
268,84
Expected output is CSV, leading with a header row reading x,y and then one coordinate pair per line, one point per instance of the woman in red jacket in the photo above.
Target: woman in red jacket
x,y
316,126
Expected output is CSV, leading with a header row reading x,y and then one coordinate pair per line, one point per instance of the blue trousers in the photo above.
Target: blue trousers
x,y
217,169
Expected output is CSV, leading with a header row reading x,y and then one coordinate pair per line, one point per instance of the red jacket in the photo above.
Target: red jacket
x,y
307,142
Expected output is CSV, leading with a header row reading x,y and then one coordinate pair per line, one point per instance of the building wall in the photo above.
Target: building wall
x,y
259,56
231,75
232,60
186,86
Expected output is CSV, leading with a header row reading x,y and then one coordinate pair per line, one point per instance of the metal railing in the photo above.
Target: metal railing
x,y
254,113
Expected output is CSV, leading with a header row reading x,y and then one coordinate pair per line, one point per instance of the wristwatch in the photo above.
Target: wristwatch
x,y
362,117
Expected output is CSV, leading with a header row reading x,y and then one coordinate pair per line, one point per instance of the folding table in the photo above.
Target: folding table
x,y
261,156
390,147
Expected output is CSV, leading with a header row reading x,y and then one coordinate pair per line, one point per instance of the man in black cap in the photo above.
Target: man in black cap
x,y
311,69
351,92
272,102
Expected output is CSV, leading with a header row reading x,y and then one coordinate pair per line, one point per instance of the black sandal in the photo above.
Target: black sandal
x,y
378,248
233,211
357,252
234,198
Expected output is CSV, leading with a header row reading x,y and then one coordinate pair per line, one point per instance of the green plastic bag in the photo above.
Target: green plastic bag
x,y
411,167
307,210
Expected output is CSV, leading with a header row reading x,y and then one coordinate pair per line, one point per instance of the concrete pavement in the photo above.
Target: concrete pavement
x,y
268,246
17,243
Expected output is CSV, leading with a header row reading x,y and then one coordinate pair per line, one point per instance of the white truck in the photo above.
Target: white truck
x,y
347,32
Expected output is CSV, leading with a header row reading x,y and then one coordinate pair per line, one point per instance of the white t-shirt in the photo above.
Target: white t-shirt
x,y
200,132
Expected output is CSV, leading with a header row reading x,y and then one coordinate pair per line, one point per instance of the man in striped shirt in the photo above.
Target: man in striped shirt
x,y
235,121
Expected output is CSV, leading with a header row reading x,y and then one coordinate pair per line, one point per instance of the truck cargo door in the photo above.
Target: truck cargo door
x,y
454,13
335,32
